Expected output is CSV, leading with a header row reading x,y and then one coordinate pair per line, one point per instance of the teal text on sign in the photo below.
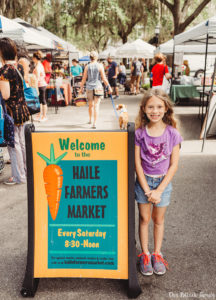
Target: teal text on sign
x,y
84,233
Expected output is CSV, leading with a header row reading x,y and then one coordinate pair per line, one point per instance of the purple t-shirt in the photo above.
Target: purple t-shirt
x,y
156,151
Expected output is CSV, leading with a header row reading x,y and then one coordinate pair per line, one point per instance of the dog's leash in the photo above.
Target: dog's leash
x,y
113,104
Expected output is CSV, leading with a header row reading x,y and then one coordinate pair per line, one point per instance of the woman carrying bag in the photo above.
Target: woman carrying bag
x,y
11,88
160,73
94,73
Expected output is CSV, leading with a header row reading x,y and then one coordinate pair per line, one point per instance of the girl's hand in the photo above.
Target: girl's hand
x,y
148,194
155,197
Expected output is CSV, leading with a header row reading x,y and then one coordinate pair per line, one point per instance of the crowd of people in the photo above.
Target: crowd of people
x,y
18,69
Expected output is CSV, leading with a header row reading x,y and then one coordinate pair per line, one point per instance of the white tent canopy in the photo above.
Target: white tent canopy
x,y
197,35
110,51
59,44
138,48
66,45
19,33
167,48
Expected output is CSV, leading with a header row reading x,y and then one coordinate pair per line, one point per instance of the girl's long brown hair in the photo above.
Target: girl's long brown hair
x,y
142,120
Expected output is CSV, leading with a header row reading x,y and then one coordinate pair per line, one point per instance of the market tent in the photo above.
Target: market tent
x,y
19,33
110,51
198,34
167,48
66,45
138,48
85,58
59,44
201,34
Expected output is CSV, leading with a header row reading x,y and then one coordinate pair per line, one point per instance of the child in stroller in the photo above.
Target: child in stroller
x,y
75,83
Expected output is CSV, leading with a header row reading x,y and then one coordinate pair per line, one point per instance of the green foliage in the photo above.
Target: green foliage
x,y
91,24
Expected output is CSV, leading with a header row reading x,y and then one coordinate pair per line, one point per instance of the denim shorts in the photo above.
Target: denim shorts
x,y
153,184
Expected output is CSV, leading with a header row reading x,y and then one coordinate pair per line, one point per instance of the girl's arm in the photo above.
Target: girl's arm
x,y
156,194
139,170
85,74
5,89
103,77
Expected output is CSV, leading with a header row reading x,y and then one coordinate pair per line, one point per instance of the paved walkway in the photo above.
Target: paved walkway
x,y
189,243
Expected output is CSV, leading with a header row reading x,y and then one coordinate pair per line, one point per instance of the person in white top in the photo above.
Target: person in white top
x,y
122,74
40,75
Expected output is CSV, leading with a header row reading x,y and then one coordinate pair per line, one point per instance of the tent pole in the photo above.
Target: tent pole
x,y
173,65
173,58
206,54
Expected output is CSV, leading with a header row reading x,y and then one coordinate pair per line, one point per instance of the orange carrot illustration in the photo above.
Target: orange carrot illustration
x,y
53,180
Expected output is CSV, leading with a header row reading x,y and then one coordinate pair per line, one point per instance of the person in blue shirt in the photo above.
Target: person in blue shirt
x,y
112,75
76,69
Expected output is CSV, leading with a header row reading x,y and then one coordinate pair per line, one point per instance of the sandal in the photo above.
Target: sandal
x,y
10,181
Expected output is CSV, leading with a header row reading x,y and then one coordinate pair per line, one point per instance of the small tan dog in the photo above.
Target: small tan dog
x,y
123,116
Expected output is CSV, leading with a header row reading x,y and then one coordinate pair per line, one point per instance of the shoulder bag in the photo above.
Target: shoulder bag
x,y
98,91
166,84
31,97
7,138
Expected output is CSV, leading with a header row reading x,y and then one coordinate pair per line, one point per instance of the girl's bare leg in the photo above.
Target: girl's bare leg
x,y
158,214
144,219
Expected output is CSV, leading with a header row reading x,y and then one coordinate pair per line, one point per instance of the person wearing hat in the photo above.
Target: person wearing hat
x,y
47,67
76,69
93,74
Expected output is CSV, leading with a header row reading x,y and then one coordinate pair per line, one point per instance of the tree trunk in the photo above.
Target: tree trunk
x,y
56,5
178,13
124,39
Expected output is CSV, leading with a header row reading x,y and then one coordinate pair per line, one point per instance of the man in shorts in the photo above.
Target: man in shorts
x,y
112,75
135,75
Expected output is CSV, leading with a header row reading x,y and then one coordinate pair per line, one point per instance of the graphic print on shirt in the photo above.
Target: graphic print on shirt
x,y
156,152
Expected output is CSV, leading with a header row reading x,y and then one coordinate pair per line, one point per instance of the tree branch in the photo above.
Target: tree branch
x,y
183,25
185,5
168,4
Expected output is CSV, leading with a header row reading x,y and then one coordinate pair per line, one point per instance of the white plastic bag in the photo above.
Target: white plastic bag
x,y
166,85
186,80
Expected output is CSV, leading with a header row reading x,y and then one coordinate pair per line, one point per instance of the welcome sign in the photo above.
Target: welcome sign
x,y
81,213
80,198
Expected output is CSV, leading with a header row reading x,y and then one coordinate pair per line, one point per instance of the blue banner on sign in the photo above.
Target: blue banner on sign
x,y
84,233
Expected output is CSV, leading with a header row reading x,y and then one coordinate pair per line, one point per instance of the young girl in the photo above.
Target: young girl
x,y
157,145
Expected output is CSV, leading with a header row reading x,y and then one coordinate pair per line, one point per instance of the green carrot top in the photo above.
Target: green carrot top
x,y
52,160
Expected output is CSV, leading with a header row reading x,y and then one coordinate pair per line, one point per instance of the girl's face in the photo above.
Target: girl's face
x,y
155,109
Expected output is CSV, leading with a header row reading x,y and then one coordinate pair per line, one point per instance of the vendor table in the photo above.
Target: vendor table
x,y
183,91
66,87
